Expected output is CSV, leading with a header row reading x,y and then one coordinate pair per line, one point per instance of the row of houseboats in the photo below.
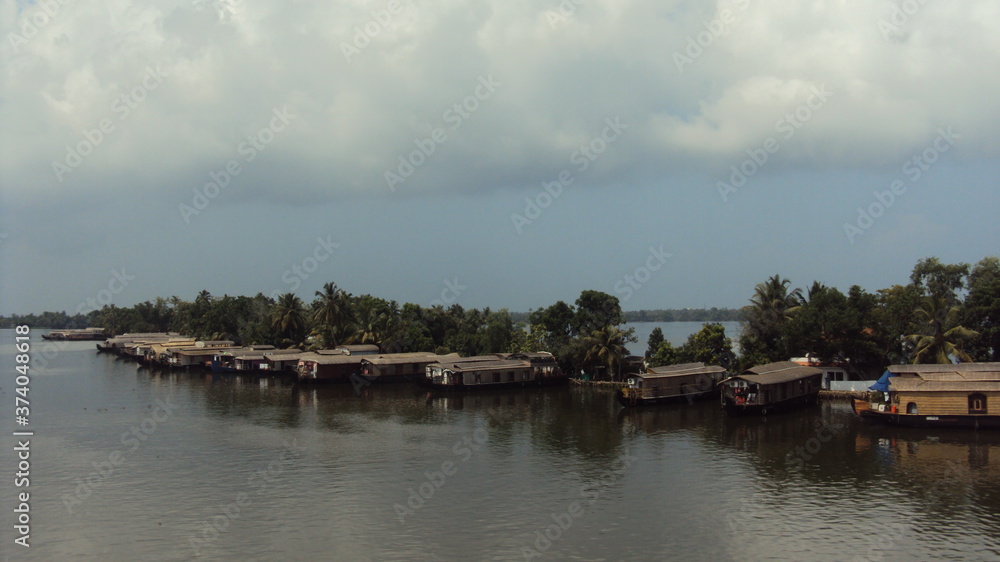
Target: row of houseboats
x,y
346,363
908,395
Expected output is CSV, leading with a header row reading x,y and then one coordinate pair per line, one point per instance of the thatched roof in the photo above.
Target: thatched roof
x,y
963,377
776,373
282,357
960,371
402,358
495,365
685,369
916,384
331,359
359,348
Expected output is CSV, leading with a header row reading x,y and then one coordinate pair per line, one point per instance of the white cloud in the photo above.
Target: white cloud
x,y
230,62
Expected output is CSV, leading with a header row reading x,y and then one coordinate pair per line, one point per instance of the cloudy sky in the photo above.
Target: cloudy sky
x,y
491,153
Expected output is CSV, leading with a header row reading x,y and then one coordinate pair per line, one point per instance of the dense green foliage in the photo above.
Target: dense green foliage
x,y
946,312
708,345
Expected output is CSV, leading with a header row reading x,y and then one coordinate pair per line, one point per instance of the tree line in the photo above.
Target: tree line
x,y
946,312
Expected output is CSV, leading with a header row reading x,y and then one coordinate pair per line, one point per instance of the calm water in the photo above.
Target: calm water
x,y
328,474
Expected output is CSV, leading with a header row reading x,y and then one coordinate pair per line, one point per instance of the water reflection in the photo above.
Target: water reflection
x,y
813,484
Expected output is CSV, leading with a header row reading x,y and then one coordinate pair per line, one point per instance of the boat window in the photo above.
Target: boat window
x,y
977,403
911,408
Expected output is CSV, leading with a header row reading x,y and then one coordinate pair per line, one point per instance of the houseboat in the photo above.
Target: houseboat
x,y
118,344
328,367
672,383
963,395
282,361
471,373
81,334
771,388
544,367
395,367
198,356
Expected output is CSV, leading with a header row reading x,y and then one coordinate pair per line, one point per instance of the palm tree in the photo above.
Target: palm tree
x,y
606,347
940,334
369,325
771,305
330,313
289,318
772,296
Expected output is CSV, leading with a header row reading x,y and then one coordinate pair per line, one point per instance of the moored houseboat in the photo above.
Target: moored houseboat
x,y
328,367
282,361
544,366
771,388
396,367
471,373
200,355
117,344
79,334
671,384
964,395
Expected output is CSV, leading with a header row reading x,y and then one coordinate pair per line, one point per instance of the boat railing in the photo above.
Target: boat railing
x,y
633,393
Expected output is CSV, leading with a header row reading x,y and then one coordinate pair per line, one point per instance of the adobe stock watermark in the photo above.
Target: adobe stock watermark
x,y
298,273
914,169
30,24
715,28
249,149
582,157
562,13
786,126
563,520
463,450
632,282
122,108
454,116
365,33
882,545
892,28
135,437
450,294
825,432
212,528
47,351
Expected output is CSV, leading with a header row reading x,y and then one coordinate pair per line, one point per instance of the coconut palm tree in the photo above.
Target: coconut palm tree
x,y
288,318
773,300
770,306
330,313
606,347
376,324
940,335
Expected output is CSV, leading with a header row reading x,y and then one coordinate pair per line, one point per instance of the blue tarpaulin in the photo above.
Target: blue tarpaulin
x,y
882,384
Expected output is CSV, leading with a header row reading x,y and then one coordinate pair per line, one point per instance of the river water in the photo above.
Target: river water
x,y
132,464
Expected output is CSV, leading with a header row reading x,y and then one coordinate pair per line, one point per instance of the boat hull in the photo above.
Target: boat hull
x,y
981,421
551,381
629,402
787,405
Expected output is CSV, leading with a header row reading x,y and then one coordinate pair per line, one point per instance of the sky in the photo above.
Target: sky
x,y
503,154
